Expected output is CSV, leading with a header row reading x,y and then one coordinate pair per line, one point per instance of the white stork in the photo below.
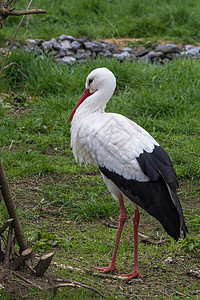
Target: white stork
x,y
133,165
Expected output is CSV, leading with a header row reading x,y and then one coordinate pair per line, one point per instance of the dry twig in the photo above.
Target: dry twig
x,y
77,284
5,225
8,247
102,275
146,239
28,281
6,10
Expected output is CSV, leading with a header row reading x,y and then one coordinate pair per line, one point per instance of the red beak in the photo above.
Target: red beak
x,y
85,94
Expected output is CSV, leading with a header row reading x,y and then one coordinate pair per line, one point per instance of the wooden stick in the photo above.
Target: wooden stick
x,y
5,225
6,11
21,239
13,246
8,246
27,281
103,275
79,285
2,252
26,254
43,264
26,12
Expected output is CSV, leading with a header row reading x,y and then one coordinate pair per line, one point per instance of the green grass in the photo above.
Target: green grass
x,y
163,100
154,19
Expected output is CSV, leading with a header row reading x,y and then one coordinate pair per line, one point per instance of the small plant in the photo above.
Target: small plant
x,y
192,244
45,240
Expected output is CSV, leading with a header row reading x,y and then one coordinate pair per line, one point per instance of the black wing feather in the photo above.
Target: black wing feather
x,y
157,196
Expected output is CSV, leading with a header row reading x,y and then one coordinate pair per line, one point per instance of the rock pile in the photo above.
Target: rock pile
x,y
67,49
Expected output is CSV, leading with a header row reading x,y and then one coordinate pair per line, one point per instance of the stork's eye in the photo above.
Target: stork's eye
x,y
90,81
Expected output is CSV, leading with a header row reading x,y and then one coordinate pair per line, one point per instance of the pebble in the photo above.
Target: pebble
x,y
67,49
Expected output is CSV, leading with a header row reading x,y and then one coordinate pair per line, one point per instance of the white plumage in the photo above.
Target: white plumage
x,y
132,163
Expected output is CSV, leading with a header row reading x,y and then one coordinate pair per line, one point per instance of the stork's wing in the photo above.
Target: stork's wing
x,y
115,143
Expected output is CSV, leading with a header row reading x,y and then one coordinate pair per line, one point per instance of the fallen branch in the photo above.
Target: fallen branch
x,y
8,246
109,225
147,240
6,10
102,275
5,225
26,12
27,281
77,284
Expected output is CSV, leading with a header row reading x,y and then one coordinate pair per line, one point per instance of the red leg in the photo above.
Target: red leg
x,y
112,267
135,272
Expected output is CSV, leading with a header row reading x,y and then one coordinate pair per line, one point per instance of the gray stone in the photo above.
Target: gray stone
x,y
168,48
65,44
154,54
112,48
47,46
145,59
88,45
107,54
56,46
94,46
68,59
83,40
127,49
82,54
193,51
64,37
188,47
79,56
53,40
65,52
141,53
88,53
122,56
172,56
32,43
183,54
75,45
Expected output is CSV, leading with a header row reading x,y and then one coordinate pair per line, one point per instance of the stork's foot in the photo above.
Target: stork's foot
x,y
111,268
129,276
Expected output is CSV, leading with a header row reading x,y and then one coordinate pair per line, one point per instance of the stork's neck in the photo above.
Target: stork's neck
x,y
96,103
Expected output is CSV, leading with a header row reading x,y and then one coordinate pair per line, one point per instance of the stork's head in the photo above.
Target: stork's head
x,y
100,82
